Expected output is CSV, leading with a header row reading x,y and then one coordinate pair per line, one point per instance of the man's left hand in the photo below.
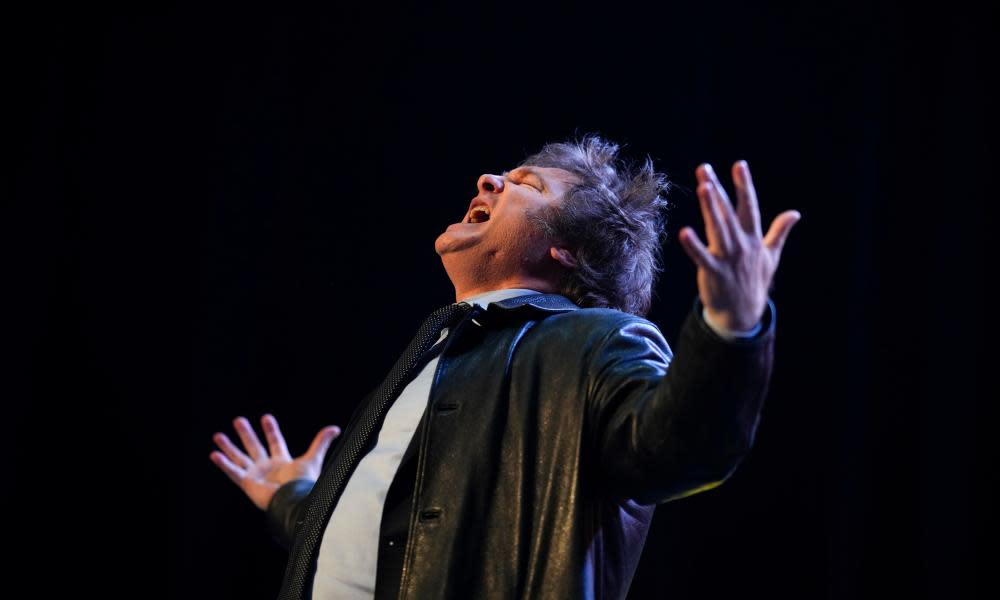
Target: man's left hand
x,y
736,269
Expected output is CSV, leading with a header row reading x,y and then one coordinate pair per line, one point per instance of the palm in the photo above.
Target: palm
x,y
259,472
735,270
263,477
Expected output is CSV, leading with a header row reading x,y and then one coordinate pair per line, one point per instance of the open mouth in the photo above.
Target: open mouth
x,y
479,214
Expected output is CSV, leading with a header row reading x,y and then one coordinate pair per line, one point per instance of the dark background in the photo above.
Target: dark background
x,y
204,210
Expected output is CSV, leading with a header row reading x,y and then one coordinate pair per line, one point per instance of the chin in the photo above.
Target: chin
x,y
449,243
443,243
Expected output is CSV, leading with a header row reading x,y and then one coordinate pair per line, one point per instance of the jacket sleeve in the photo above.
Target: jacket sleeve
x,y
287,506
666,426
285,510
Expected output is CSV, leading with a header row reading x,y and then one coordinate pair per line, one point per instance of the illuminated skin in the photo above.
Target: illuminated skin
x,y
507,251
736,269
734,275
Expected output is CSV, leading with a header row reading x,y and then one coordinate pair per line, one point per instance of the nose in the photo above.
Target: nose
x,y
490,183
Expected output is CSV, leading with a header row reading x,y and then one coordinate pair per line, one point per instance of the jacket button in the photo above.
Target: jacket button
x,y
430,514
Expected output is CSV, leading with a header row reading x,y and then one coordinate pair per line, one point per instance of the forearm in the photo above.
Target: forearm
x,y
716,390
669,435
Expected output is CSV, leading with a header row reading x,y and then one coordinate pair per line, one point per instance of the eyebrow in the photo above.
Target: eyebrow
x,y
529,171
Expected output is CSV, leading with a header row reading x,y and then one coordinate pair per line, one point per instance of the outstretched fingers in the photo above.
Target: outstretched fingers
x,y
747,209
235,473
275,440
250,440
715,230
235,455
725,221
695,249
322,441
725,206
780,227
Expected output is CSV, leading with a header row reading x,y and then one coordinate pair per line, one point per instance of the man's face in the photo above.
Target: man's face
x,y
495,233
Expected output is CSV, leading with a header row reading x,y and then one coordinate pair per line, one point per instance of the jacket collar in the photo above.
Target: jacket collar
x,y
543,303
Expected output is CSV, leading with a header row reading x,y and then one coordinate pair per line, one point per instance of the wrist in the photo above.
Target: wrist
x,y
728,328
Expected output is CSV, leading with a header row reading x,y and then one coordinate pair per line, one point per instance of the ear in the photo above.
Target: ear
x,y
563,256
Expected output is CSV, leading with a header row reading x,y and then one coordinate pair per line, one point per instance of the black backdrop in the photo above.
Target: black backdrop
x,y
222,213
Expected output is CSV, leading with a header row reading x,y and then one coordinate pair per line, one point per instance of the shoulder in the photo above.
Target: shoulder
x,y
599,331
592,320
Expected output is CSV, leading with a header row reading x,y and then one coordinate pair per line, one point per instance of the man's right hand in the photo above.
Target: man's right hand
x,y
258,473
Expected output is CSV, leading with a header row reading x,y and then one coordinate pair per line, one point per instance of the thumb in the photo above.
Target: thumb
x,y
322,441
780,228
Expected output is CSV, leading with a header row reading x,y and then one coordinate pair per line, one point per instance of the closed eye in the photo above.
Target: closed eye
x,y
523,177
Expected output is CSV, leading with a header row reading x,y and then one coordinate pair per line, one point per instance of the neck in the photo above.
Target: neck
x,y
472,277
532,283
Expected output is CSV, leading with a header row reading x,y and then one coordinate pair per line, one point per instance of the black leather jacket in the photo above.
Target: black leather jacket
x,y
552,432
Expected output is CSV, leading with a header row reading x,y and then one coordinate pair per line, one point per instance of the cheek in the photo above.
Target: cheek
x,y
511,228
521,241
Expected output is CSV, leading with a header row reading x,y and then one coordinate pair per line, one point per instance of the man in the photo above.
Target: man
x,y
526,451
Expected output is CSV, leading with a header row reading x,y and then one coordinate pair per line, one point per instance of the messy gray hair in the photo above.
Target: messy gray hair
x,y
612,220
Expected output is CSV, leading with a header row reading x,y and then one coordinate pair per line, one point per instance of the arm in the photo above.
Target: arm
x,y
668,426
286,509
726,333
665,433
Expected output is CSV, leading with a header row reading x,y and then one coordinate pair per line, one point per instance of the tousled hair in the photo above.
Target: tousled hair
x,y
613,220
